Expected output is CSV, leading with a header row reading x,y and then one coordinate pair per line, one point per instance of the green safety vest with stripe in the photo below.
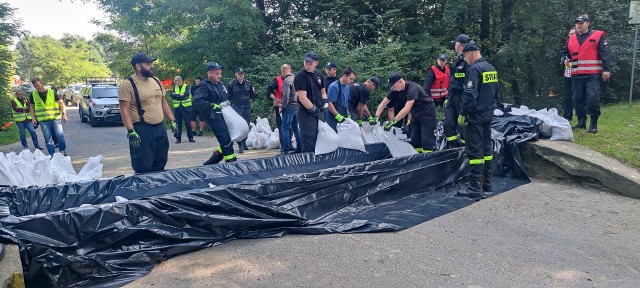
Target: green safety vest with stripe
x,y
45,111
20,116
181,91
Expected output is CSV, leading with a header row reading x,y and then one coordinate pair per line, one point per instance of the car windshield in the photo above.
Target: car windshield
x,y
105,92
77,87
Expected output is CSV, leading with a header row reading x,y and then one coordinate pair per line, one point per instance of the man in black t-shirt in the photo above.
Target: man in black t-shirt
x,y
332,74
419,104
358,96
312,98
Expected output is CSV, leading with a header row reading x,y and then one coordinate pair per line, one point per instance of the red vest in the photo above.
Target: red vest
x,y
278,93
585,58
440,86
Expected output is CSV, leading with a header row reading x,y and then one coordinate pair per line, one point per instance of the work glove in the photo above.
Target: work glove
x,y
445,102
359,122
215,107
462,120
374,120
339,118
174,127
318,113
390,124
134,139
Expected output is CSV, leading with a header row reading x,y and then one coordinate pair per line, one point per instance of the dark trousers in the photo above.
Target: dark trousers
x,y
308,130
183,114
451,113
439,102
278,122
586,96
216,123
423,122
245,111
153,152
567,99
479,149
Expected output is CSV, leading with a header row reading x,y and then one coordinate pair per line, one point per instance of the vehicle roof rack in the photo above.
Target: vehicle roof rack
x,y
102,81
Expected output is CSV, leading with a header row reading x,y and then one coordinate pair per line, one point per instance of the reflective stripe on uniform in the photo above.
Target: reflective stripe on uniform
x,y
45,111
476,161
426,150
488,158
419,150
229,157
489,77
452,138
20,116
459,75
588,62
181,91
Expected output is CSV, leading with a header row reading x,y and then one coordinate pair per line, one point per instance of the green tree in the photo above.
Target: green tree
x,y
9,28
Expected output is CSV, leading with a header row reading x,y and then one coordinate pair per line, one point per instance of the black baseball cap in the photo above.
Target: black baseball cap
x,y
213,66
393,78
582,18
375,81
442,56
471,46
239,70
331,65
141,58
462,38
311,56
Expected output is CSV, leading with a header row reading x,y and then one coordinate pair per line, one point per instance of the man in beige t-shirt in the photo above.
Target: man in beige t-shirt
x,y
148,142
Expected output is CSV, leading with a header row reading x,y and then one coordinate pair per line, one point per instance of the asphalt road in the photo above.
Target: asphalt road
x,y
110,141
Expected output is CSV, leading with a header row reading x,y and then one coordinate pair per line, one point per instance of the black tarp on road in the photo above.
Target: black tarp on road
x,y
109,244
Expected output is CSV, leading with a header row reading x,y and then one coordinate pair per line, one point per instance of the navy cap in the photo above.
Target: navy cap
x,y
462,38
213,66
471,46
375,81
331,65
239,70
442,56
141,58
311,56
394,77
582,18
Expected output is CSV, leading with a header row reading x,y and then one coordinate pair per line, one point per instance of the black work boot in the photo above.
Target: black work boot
x,y
215,158
474,191
593,126
192,140
487,184
582,124
244,145
240,148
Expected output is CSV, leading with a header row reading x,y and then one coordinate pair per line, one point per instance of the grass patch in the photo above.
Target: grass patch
x,y
618,133
10,135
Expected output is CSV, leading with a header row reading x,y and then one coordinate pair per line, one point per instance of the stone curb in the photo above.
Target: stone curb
x,y
556,160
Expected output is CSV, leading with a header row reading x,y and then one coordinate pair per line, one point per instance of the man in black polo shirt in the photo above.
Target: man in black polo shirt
x,y
419,104
312,96
358,97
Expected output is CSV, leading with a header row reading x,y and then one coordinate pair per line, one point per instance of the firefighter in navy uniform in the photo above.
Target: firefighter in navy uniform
x,y
479,99
242,92
207,98
591,61
453,104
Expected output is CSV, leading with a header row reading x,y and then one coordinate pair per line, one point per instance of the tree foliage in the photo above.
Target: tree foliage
x,y
60,61
8,29
522,38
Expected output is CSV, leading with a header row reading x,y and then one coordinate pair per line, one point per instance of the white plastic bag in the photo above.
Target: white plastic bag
x,y
236,125
369,136
92,170
398,148
274,140
328,140
350,136
251,138
262,140
561,128
262,126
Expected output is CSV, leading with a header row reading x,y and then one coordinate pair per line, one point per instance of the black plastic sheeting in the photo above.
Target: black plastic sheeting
x,y
174,212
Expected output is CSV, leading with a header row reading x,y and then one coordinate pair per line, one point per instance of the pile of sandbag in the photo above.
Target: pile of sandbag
x,y
553,125
36,169
261,136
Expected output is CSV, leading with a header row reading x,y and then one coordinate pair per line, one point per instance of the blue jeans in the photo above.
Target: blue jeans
x,y
28,125
290,122
56,125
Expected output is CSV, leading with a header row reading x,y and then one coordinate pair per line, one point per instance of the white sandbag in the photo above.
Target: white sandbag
x,y
5,171
369,135
328,140
236,125
398,148
262,126
561,128
274,140
262,141
92,170
397,133
251,138
350,136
